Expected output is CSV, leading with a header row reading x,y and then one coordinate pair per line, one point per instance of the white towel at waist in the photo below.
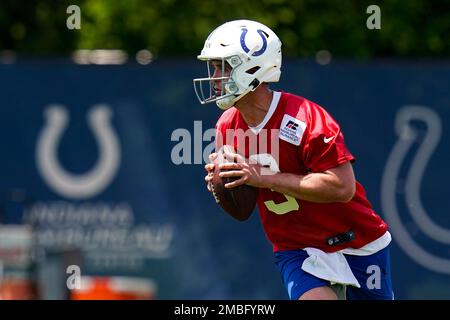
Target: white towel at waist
x,y
329,266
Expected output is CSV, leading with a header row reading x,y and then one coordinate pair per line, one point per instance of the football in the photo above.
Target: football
x,y
239,202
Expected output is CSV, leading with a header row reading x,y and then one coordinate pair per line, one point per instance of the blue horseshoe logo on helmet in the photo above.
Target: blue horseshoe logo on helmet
x,y
246,49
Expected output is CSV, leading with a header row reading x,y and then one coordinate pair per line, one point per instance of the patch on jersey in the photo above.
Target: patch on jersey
x,y
292,129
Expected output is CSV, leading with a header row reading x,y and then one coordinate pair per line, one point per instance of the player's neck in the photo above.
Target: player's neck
x,y
255,105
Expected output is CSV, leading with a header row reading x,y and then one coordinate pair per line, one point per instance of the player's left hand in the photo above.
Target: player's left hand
x,y
248,173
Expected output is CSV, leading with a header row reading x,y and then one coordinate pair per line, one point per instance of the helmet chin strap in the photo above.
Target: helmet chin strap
x,y
228,102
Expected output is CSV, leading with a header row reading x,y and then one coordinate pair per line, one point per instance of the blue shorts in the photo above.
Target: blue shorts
x,y
373,273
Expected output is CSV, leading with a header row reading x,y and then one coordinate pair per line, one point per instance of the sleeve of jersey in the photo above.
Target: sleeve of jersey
x,y
219,140
324,147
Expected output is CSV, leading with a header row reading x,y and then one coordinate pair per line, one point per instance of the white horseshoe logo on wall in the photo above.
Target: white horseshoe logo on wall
x,y
95,180
406,137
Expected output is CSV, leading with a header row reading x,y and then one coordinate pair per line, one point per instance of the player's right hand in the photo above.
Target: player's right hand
x,y
209,167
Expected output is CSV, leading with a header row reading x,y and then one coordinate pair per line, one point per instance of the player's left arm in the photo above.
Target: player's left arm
x,y
333,185
323,153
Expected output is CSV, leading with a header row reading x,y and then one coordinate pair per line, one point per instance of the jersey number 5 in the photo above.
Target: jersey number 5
x,y
284,207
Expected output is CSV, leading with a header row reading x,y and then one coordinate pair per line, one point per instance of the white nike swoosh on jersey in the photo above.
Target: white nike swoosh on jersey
x,y
326,140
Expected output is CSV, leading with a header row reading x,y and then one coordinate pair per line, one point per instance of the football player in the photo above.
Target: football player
x,y
327,240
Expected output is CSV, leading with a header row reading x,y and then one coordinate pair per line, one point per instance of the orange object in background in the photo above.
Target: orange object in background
x,y
16,288
114,288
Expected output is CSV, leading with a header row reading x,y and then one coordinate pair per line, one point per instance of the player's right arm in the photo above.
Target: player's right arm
x,y
209,167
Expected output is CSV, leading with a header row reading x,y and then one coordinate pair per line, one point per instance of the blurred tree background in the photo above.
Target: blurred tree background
x,y
409,28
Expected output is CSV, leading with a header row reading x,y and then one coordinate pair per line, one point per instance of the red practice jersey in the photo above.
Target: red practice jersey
x,y
300,137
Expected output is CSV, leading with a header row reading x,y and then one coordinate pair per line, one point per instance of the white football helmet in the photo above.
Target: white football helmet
x,y
251,49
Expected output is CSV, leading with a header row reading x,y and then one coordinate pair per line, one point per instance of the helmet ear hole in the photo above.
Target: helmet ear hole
x,y
253,70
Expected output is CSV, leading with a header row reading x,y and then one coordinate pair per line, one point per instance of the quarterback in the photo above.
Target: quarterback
x,y
327,240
